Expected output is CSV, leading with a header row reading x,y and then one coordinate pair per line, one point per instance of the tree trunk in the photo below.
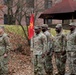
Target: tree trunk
x,y
25,34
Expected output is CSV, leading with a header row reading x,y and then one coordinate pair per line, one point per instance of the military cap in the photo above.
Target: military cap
x,y
39,26
72,24
36,27
59,26
44,25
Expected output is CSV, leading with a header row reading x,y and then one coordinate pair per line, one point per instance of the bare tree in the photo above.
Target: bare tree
x,y
19,9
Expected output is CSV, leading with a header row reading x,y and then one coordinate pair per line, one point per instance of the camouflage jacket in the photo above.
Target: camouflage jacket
x,y
39,44
4,44
49,40
60,43
71,41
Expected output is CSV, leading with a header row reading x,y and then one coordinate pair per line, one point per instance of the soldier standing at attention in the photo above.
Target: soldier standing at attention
x,y
71,48
4,49
39,48
48,58
60,50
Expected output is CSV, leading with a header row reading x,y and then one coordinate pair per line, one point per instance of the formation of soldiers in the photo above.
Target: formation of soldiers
x,y
44,45
62,46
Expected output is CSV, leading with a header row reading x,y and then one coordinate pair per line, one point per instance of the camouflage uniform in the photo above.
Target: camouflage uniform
x,y
60,52
48,58
39,48
4,48
71,51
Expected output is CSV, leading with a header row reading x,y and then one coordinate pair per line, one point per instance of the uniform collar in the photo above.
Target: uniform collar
x,y
59,33
73,31
38,34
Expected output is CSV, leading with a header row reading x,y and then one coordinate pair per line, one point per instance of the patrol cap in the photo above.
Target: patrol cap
x,y
59,26
72,24
44,25
37,27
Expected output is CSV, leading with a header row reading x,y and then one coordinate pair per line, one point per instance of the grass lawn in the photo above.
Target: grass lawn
x,y
54,33
18,30
15,29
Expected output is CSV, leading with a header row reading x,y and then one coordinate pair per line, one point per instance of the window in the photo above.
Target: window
x,y
66,21
6,1
30,3
5,19
47,21
8,21
48,3
27,20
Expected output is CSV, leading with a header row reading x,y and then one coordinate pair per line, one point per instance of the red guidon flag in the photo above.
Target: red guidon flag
x,y
31,27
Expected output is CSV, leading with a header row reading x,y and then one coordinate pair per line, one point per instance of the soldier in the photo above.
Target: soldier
x,y
39,48
71,48
48,58
60,50
4,49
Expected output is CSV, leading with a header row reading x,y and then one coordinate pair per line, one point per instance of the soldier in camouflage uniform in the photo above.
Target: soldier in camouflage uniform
x,y
71,48
48,58
39,48
60,50
4,49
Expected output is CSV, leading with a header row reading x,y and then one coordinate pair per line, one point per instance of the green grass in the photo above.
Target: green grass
x,y
18,30
15,29
53,32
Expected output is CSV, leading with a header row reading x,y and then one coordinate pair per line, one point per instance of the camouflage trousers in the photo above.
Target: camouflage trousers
x,y
60,63
48,65
3,65
38,65
71,57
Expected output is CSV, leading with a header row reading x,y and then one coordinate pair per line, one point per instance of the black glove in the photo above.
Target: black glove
x,y
43,55
63,52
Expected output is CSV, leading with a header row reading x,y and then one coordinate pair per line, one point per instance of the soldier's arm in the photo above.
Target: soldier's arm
x,y
32,44
75,38
51,47
44,43
8,45
64,42
53,44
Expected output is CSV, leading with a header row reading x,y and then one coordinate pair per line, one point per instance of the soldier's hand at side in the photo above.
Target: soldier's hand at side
x,y
63,52
5,55
48,53
43,55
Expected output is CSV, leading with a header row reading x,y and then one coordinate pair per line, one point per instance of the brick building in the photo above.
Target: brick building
x,y
36,6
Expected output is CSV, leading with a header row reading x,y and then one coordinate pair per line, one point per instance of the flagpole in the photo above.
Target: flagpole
x,y
32,12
